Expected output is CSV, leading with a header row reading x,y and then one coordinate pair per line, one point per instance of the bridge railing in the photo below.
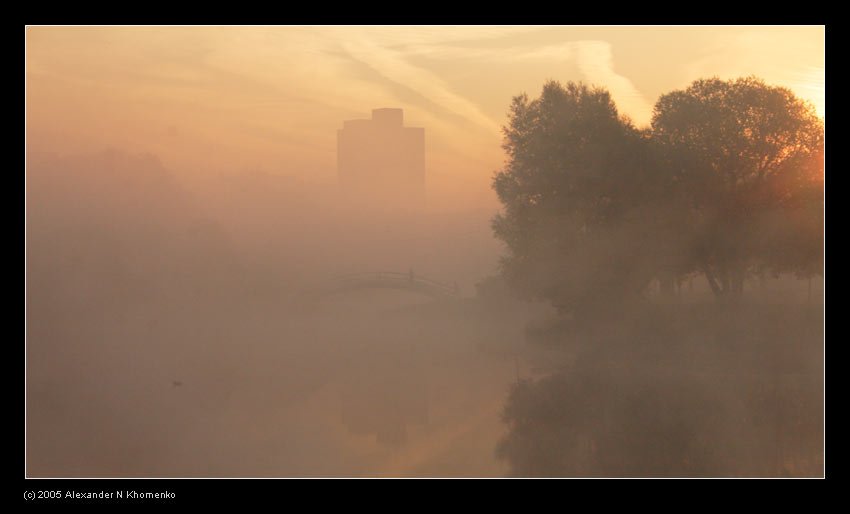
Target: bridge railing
x,y
397,278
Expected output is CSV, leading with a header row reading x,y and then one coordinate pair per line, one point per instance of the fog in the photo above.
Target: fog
x,y
173,330
216,289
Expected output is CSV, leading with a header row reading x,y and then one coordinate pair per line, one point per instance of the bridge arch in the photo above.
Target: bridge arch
x,y
389,280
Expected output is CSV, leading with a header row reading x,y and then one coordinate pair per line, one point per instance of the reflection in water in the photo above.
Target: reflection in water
x,y
384,400
710,393
342,392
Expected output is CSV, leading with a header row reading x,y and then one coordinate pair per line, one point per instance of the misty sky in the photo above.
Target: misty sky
x,y
271,98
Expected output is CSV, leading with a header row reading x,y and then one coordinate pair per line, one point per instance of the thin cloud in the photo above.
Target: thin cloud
x,y
594,59
395,66
596,62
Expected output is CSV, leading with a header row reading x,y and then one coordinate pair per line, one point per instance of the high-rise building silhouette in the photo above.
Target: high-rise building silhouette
x,y
381,160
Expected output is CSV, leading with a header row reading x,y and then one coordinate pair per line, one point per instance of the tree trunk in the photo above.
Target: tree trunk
x,y
737,275
809,297
712,281
740,275
727,283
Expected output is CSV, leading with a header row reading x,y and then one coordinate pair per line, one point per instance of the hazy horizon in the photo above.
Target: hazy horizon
x,y
208,100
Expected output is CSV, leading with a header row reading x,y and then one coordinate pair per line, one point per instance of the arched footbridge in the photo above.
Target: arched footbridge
x,y
408,281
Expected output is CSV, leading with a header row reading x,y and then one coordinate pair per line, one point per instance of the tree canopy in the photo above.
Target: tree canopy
x,y
750,157
572,190
728,179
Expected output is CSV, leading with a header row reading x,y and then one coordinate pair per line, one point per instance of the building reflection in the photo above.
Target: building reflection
x,y
384,401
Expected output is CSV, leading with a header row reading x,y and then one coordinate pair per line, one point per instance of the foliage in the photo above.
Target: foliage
x,y
654,400
572,191
750,159
728,180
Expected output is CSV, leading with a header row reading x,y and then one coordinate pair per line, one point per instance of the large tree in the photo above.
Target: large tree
x,y
749,157
574,195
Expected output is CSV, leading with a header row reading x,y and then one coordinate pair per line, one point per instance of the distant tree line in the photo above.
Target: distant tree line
x,y
727,182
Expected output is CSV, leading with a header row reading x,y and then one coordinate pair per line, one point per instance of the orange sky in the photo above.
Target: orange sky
x,y
208,99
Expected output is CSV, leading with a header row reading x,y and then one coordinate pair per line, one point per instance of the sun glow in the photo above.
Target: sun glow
x,y
811,87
